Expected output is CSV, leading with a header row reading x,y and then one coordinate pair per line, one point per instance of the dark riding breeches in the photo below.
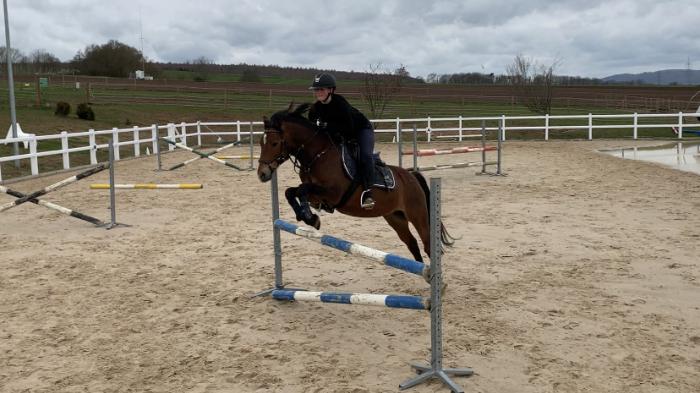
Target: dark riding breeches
x,y
365,141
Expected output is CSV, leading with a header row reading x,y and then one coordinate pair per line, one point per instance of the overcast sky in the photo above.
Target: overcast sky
x,y
590,37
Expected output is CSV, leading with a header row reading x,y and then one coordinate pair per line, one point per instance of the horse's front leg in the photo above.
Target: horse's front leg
x,y
291,195
298,198
302,193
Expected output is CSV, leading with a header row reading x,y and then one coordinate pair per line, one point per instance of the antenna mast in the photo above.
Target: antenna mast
x,y
143,58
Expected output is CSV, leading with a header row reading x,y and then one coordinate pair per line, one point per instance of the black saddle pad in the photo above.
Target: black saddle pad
x,y
383,176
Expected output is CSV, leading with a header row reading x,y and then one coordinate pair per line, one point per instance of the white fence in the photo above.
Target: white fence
x,y
457,128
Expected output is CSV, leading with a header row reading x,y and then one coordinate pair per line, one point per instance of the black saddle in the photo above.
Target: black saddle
x,y
383,176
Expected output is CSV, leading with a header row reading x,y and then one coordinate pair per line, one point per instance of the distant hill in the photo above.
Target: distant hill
x,y
661,77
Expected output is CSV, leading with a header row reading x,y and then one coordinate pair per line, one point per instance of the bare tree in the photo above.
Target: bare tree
x,y
533,83
44,62
18,59
380,86
201,67
16,56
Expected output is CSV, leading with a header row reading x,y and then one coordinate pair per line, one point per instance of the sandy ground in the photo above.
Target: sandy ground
x,y
578,272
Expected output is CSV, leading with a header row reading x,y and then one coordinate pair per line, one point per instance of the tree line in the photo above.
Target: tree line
x,y
116,59
39,61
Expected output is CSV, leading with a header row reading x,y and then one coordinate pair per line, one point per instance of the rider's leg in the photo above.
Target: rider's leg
x,y
366,166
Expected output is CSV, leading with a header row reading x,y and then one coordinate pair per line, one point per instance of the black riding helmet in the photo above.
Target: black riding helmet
x,y
323,80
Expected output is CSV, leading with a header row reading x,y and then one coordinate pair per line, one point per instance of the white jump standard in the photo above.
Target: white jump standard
x,y
432,272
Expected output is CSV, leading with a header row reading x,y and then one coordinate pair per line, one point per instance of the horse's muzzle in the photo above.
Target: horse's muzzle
x,y
265,171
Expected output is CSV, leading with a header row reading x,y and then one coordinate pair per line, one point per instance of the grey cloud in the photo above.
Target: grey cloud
x,y
593,38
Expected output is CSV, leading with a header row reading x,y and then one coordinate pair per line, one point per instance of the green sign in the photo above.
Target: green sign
x,y
43,82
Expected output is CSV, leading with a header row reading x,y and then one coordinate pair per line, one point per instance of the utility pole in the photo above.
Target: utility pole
x,y
11,82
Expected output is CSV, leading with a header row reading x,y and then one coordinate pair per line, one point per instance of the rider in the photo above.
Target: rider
x,y
333,113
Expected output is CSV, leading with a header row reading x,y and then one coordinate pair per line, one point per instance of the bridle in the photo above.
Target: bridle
x,y
280,158
285,155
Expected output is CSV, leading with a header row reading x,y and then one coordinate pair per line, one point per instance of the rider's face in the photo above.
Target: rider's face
x,y
322,93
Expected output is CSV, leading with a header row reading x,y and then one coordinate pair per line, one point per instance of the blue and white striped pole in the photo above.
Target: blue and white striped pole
x,y
392,301
399,262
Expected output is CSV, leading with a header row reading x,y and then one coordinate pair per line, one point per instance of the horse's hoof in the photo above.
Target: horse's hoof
x,y
316,222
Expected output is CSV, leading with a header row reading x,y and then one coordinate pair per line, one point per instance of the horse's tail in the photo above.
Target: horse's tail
x,y
445,238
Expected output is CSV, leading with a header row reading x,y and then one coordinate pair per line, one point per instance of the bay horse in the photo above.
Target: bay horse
x,y
324,185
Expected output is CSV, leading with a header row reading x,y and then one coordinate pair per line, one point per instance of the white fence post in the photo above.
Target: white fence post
x,y
137,142
64,148
680,125
171,135
398,130
590,126
460,128
154,136
183,128
238,130
503,122
634,126
199,133
93,146
33,159
546,127
115,142
429,129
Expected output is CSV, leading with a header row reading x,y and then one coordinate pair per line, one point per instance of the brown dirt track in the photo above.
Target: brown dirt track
x,y
578,272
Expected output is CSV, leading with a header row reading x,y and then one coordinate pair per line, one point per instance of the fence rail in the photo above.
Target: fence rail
x,y
457,128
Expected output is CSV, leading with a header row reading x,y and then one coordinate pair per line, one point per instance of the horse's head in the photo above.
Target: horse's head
x,y
278,140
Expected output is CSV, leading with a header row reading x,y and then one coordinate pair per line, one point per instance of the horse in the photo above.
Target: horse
x,y
324,185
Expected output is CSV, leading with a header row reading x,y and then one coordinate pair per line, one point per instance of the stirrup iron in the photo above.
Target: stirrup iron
x,y
366,204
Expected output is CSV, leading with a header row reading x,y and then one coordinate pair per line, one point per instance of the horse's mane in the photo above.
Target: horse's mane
x,y
296,115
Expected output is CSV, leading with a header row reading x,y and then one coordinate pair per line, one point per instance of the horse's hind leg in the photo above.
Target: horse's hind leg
x,y
418,216
399,223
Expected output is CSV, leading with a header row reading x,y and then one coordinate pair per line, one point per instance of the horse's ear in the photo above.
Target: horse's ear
x,y
266,123
291,105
